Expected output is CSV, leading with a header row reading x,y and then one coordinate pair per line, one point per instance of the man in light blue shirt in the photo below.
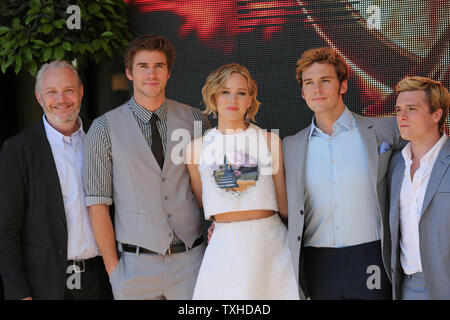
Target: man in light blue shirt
x,y
335,175
340,160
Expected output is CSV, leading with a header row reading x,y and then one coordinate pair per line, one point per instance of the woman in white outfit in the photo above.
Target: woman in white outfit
x,y
237,174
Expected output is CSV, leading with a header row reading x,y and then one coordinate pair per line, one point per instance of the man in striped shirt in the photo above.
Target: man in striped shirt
x,y
129,161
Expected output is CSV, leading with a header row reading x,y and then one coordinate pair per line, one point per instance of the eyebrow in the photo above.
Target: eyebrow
x,y
407,105
325,77
146,63
237,88
52,88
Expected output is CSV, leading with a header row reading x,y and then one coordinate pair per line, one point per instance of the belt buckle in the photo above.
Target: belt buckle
x,y
77,268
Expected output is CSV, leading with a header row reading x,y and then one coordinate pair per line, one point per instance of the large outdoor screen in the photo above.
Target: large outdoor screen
x,y
382,41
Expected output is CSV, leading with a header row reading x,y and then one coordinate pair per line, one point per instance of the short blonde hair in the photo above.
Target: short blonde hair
x,y
437,95
218,79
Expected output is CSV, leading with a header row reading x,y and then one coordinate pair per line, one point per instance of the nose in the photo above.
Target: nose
x,y
317,87
60,97
401,114
151,71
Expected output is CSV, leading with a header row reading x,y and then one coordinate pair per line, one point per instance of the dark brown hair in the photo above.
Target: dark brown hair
x,y
150,43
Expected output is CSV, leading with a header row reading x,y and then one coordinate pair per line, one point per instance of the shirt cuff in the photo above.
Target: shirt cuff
x,y
90,201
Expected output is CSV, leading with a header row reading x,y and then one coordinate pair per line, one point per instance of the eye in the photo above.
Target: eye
x,y
242,93
225,92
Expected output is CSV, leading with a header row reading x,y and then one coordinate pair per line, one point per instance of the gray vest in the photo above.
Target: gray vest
x,y
150,202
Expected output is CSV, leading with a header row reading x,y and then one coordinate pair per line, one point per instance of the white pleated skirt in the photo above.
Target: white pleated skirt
x,y
247,260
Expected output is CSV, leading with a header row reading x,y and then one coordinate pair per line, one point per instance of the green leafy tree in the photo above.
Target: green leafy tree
x,y
33,32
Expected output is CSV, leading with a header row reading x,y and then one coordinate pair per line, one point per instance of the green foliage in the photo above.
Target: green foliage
x,y
33,32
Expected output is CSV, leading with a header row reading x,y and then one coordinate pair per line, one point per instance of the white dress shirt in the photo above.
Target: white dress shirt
x,y
410,202
67,153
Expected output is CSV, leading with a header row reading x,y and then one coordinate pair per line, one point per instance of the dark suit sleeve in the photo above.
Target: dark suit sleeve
x,y
12,209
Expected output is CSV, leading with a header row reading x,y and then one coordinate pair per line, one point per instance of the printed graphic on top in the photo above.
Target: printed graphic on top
x,y
237,175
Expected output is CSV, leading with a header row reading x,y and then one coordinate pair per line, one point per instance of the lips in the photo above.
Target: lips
x,y
63,107
232,108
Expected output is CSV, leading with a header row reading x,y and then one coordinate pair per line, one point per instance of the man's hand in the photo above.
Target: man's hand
x,y
210,231
111,266
28,298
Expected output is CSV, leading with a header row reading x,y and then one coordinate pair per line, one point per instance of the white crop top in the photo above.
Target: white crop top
x,y
236,172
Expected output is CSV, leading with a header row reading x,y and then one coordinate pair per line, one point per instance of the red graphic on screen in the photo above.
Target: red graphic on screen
x,y
217,23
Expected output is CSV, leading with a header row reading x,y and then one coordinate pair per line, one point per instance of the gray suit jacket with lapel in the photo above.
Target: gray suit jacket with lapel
x,y
374,131
434,226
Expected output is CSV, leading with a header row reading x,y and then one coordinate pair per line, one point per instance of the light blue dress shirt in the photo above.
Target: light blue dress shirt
x,y
341,207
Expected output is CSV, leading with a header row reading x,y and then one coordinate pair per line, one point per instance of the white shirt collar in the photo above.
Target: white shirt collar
x,y
57,138
429,158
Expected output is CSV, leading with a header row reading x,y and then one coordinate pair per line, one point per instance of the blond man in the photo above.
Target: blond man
x,y
419,180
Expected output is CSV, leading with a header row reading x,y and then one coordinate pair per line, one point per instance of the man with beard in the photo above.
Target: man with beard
x,y
47,248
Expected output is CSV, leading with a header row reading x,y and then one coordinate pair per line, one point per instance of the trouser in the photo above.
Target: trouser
x,y
87,281
2,295
156,277
413,287
354,272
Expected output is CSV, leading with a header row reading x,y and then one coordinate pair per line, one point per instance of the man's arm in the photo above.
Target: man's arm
x,y
104,235
97,183
12,210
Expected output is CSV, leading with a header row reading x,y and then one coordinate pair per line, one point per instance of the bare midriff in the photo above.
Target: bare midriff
x,y
243,215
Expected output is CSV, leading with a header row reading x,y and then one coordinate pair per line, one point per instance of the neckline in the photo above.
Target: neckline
x,y
238,131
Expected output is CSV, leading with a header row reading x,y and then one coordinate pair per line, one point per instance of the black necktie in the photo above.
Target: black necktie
x,y
157,148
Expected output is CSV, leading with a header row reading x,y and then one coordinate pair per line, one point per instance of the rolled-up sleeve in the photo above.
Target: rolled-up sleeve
x,y
97,164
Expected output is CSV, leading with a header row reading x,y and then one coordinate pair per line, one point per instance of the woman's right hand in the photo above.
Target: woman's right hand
x,y
210,231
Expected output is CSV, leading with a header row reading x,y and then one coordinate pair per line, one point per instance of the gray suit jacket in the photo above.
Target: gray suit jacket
x,y
374,131
434,226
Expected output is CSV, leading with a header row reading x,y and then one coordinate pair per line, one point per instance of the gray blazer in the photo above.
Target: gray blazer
x,y
377,134
434,226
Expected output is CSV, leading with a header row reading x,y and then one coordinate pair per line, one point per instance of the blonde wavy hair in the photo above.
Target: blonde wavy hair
x,y
218,79
437,95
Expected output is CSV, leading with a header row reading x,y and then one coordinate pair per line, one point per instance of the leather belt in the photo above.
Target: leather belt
x,y
82,265
173,249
